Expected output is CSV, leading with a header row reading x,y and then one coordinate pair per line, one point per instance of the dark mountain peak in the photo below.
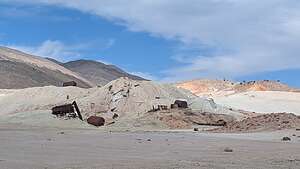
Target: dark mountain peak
x,y
98,72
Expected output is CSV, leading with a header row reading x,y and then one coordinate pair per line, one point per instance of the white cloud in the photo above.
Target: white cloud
x,y
242,36
145,75
61,51
52,49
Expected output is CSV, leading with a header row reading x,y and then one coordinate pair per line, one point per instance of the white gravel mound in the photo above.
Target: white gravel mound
x,y
263,101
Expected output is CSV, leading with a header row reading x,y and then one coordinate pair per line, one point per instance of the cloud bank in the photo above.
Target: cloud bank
x,y
239,37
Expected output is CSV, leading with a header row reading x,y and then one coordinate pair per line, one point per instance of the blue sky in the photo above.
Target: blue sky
x,y
163,40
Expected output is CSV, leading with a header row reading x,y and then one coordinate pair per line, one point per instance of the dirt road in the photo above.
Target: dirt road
x,y
42,148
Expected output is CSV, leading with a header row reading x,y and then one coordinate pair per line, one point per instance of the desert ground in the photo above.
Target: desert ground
x,y
27,147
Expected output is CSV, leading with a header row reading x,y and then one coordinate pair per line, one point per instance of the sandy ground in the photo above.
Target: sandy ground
x,y
48,148
263,102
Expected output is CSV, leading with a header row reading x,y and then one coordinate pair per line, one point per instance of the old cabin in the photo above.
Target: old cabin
x,y
71,83
181,104
64,110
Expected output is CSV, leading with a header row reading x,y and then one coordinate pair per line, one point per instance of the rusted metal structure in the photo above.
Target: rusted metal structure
x,y
71,83
67,110
96,121
162,107
159,108
181,104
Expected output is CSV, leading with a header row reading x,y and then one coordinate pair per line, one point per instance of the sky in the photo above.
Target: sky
x,y
163,40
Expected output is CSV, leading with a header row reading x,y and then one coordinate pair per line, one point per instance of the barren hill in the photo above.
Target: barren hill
x,y
97,72
212,88
21,70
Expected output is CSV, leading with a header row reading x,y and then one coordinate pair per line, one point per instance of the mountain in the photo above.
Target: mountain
x,y
97,72
212,88
55,61
21,70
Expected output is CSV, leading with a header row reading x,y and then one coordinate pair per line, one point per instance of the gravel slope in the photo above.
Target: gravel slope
x,y
263,101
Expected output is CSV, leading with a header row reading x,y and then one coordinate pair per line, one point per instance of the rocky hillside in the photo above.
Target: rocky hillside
x,y
97,72
21,70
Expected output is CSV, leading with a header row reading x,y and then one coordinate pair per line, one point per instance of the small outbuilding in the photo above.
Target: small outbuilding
x,y
181,104
71,83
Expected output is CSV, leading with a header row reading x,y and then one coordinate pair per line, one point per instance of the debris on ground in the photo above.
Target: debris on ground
x,y
266,122
186,118
115,116
286,139
228,150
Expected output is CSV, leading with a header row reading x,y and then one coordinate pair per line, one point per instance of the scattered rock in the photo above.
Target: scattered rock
x,y
273,121
149,140
286,139
61,132
196,129
115,116
228,150
294,135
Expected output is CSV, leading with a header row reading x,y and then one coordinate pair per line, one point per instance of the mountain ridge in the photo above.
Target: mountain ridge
x,y
21,70
98,72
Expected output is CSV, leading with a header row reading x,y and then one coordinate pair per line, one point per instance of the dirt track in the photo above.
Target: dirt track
x,y
41,148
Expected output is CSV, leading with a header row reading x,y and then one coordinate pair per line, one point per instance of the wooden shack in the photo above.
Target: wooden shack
x,y
64,110
71,83
181,104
